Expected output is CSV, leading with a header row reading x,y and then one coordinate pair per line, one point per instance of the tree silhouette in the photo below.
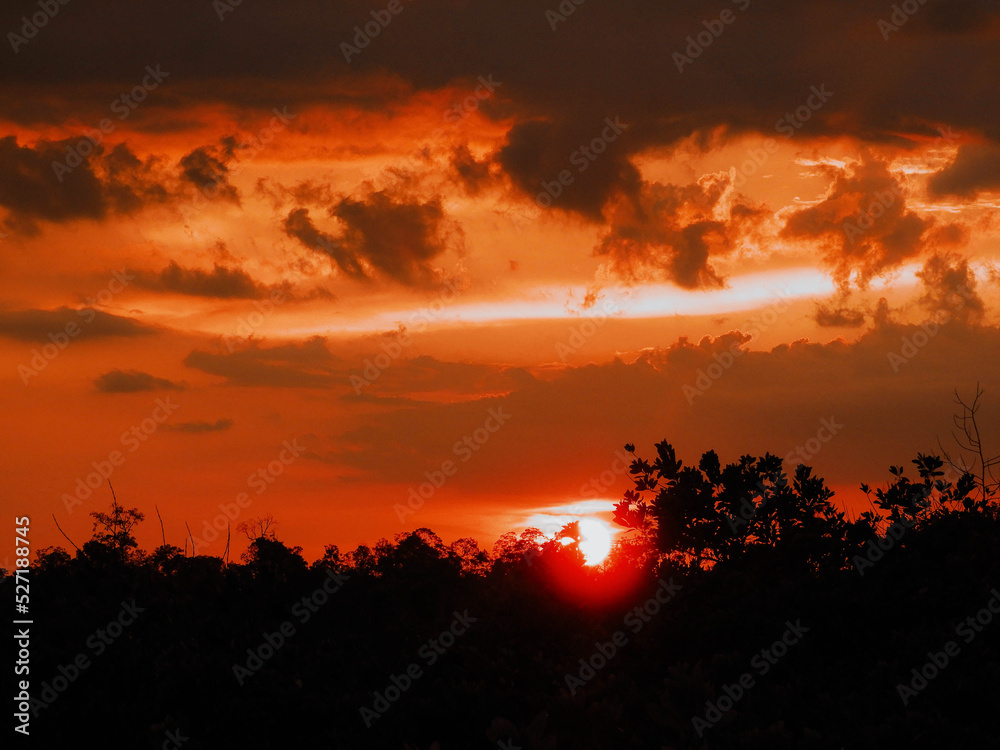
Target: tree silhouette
x,y
259,527
714,514
968,438
114,530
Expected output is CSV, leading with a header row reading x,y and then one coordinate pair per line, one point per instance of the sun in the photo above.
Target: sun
x,y
595,540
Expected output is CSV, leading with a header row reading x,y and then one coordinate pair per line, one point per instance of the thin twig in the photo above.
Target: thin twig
x,y
64,533
163,536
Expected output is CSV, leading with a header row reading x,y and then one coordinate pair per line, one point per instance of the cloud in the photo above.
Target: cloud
x,y
382,236
425,374
31,190
762,65
132,381
297,365
132,183
668,232
206,168
838,317
890,387
976,168
472,175
299,226
537,154
39,325
219,425
950,287
862,223
73,179
219,283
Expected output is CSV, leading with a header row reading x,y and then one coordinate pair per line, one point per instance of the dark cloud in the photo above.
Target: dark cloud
x,y
219,425
472,175
219,283
207,169
893,387
574,167
132,183
132,381
38,326
950,289
31,189
78,178
303,193
556,86
604,59
426,374
382,235
670,232
862,223
299,226
976,168
299,365
838,317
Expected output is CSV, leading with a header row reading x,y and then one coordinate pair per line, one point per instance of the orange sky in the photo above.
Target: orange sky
x,y
397,247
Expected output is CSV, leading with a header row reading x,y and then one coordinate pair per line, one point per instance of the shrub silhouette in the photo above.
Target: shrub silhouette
x,y
751,545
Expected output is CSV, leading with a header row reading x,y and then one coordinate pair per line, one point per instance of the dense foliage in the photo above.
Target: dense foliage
x,y
718,564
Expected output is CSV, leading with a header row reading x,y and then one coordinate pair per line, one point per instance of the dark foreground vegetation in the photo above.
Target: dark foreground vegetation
x,y
742,611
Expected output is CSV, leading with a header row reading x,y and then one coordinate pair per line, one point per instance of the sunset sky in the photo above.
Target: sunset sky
x,y
492,233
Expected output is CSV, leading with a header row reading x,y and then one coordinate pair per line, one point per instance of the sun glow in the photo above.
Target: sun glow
x,y
595,540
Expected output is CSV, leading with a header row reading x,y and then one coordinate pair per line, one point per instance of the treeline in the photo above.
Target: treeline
x,y
742,609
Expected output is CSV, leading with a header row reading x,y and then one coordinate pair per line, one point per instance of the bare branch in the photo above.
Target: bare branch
x,y
64,533
163,537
